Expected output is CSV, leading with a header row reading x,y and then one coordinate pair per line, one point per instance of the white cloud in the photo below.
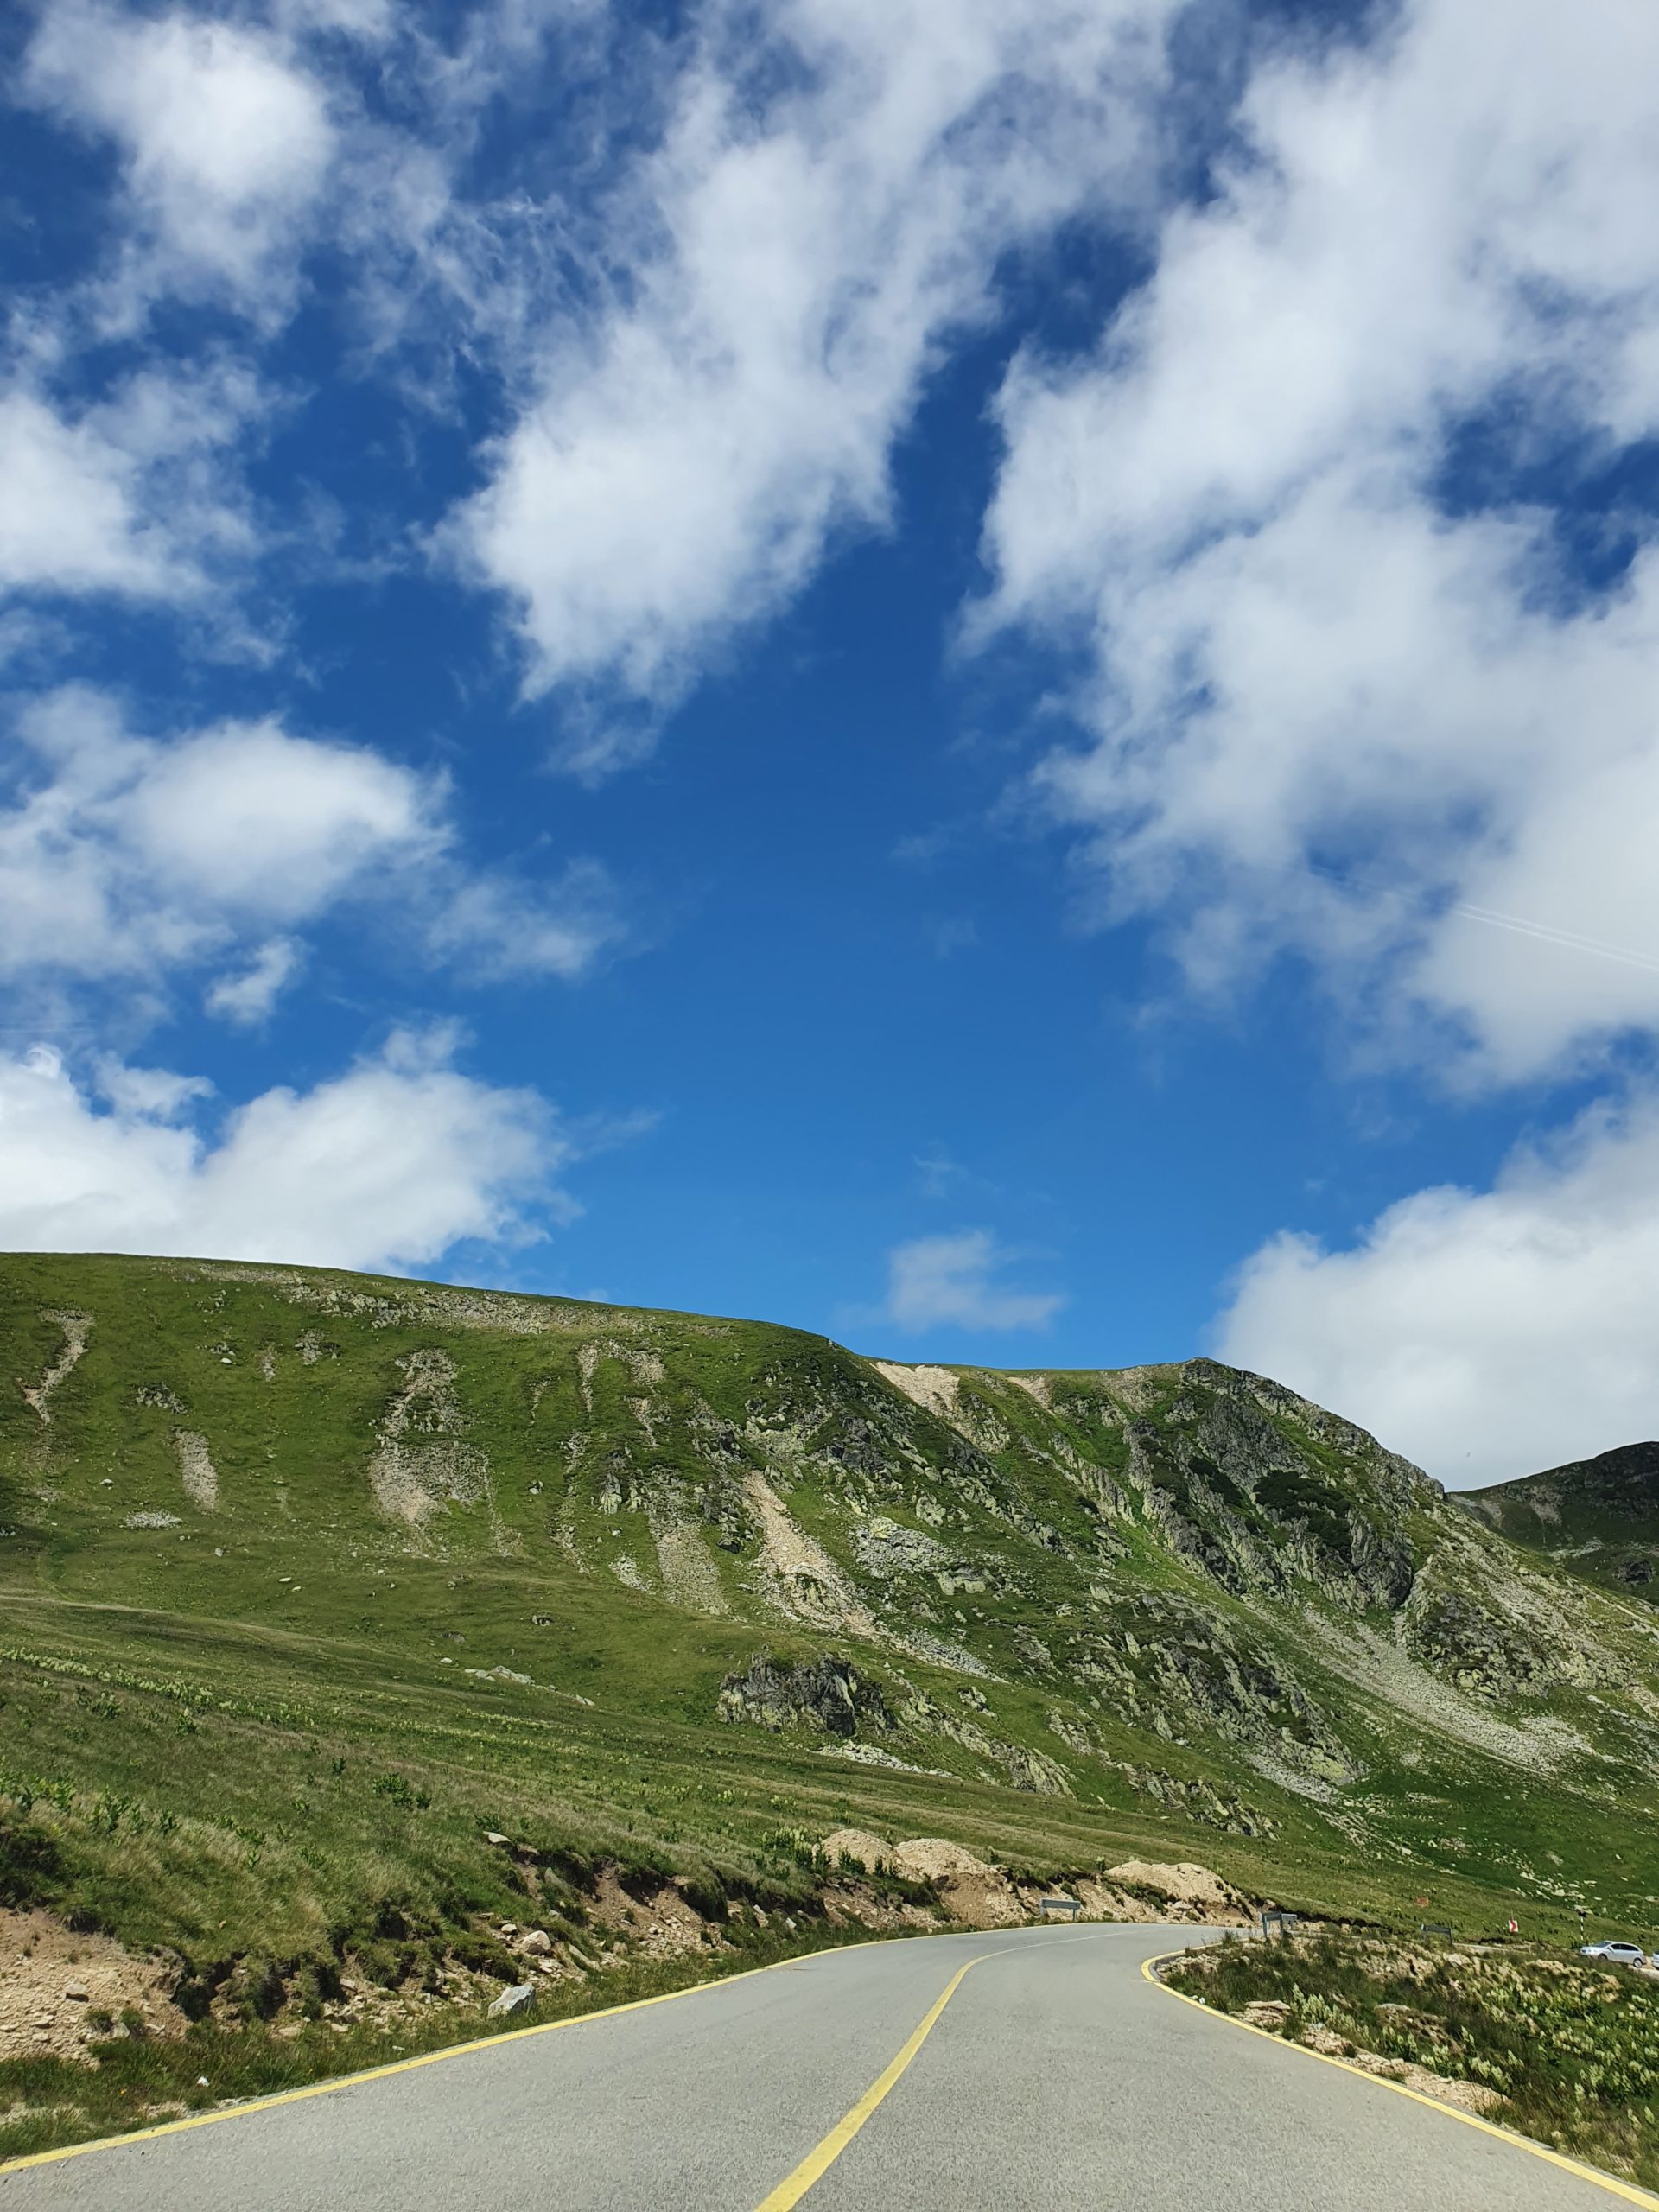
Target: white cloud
x,y
226,140
386,1165
781,270
1487,1334
67,519
1412,224
495,926
249,818
952,1281
132,857
1376,687
712,281
136,496
119,855
246,999
1326,714
141,1094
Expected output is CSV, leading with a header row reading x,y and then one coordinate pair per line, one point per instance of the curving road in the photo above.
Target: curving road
x,y
1054,2077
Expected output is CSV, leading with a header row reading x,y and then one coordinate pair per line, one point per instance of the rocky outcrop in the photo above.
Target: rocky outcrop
x,y
421,1465
1460,1635
975,1892
826,1693
885,1548
1198,1800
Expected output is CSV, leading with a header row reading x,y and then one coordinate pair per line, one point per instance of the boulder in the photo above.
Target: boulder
x,y
858,1844
827,1693
513,2001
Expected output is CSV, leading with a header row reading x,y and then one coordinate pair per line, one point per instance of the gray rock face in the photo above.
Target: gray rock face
x,y
885,1547
1233,1480
1198,1800
1381,1565
828,1694
1468,1642
1035,1771
516,2000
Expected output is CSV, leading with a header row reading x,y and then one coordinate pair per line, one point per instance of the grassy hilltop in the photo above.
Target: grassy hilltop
x,y
312,1580
1599,1516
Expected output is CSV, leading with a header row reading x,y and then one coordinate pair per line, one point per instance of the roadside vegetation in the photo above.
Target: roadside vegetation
x,y
1563,2049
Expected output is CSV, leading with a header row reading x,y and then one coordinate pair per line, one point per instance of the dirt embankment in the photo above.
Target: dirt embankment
x,y
60,1990
1182,1891
664,1925
975,1892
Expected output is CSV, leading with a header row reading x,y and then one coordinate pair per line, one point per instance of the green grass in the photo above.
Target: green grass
x,y
1570,2048
248,1735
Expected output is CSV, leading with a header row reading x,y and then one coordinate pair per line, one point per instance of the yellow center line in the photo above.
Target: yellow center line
x,y
818,2162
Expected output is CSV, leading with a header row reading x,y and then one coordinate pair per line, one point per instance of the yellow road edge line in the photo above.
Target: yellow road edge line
x,y
818,2163
406,2065
1610,2183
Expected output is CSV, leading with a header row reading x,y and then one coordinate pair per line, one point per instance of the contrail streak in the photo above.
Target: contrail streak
x,y
1547,935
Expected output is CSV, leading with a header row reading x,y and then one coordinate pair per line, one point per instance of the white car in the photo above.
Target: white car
x,y
1618,1954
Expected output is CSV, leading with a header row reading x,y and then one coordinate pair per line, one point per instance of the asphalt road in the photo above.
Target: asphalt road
x,y
1055,2077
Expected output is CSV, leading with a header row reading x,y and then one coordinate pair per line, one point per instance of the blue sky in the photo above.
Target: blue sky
x,y
980,676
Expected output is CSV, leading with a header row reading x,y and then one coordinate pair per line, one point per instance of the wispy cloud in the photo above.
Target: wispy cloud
x,y
1300,645
245,998
497,925
136,496
828,202
957,1281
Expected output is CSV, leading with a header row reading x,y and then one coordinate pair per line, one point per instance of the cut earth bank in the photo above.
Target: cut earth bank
x,y
62,1992
971,1892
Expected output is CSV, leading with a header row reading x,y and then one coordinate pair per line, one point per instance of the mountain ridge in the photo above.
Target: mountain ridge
x,y
701,1591
1599,1516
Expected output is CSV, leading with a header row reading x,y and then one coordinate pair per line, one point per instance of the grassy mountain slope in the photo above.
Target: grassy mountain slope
x,y
309,1579
1600,1517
